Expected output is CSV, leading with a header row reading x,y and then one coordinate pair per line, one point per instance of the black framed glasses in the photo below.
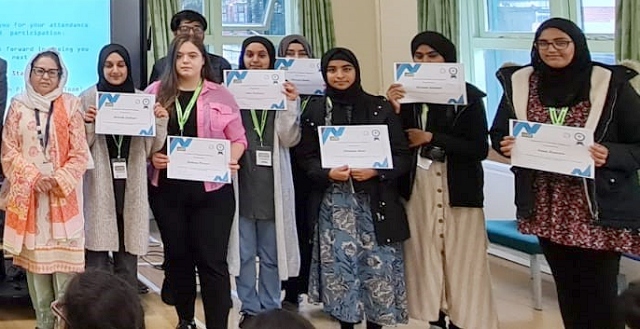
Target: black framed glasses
x,y
186,29
60,318
39,71
557,44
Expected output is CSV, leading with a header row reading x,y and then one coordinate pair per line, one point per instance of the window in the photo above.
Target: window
x,y
195,5
249,17
598,16
516,15
495,32
232,21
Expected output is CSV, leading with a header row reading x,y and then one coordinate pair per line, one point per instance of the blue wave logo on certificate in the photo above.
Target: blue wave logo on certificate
x,y
332,133
284,63
180,144
148,132
107,100
318,92
278,106
221,179
525,129
459,101
235,77
406,70
381,165
582,173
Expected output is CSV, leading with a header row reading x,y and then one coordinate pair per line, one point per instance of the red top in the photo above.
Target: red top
x,y
562,209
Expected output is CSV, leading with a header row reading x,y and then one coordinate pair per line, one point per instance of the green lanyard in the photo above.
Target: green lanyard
x,y
558,118
304,104
423,116
118,142
183,117
259,127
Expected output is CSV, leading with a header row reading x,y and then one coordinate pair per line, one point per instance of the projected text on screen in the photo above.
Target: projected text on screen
x,y
78,29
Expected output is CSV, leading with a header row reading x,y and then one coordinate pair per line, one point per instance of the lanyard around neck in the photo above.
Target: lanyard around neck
x,y
304,104
424,112
558,118
118,140
183,117
259,127
43,137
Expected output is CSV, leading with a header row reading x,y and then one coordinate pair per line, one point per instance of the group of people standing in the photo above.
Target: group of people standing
x,y
378,246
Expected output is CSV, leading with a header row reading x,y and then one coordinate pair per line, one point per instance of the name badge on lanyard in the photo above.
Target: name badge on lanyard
x,y
46,167
119,165
264,156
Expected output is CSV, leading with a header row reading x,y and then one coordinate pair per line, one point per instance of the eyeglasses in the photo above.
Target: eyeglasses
x,y
557,44
185,29
56,308
38,71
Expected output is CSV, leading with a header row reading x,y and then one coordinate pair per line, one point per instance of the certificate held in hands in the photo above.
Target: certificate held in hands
x,y
435,83
362,147
304,73
127,114
199,159
552,148
257,89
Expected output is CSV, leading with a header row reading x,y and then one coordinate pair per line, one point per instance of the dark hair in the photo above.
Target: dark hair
x,y
189,16
630,305
101,300
169,81
278,319
51,55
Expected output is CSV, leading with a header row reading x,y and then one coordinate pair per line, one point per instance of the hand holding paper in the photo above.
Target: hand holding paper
x,y
437,83
257,89
552,148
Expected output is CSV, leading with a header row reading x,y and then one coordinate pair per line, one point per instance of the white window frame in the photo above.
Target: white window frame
x,y
475,39
215,39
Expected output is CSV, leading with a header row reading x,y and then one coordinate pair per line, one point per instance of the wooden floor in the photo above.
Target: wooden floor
x,y
510,284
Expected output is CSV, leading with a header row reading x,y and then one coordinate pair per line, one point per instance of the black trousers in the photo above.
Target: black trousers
x,y
586,282
195,227
125,265
299,285
296,286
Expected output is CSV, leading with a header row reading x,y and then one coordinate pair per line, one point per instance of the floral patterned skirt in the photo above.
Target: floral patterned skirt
x,y
351,274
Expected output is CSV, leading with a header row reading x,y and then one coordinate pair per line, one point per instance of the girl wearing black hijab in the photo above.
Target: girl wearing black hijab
x,y
447,269
116,209
266,224
583,225
359,218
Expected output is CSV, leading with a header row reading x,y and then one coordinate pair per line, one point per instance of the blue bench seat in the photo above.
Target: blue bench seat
x,y
505,233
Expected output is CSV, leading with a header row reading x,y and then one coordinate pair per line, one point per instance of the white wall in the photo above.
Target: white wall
x,y
379,32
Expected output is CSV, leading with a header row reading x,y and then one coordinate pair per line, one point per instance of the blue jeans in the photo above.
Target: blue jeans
x,y
258,238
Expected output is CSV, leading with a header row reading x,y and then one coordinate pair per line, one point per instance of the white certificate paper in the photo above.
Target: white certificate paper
x,y
363,147
558,149
304,73
436,83
199,159
126,114
257,89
